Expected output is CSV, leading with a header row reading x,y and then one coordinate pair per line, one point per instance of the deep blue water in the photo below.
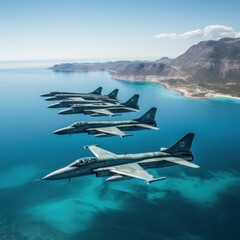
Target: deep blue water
x,y
190,204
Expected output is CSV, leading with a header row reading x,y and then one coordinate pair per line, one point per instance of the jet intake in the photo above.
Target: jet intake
x,y
103,173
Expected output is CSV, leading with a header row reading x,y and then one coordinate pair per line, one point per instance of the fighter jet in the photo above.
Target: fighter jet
x,y
112,96
113,128
104,109
127,166
68,102
52,94
72,101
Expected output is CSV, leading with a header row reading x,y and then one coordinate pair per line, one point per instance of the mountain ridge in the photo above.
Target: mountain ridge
x,y
204,70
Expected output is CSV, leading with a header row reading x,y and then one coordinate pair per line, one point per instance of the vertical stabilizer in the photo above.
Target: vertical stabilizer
x,y
132,102
113,94
149,116
183,145
98,91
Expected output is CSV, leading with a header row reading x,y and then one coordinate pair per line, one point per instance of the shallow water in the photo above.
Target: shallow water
x,y
190,204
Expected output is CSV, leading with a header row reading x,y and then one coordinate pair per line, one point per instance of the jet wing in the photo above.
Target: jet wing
x,y
181,161
134,170
130,109
100,112
146,126
99,152
110,131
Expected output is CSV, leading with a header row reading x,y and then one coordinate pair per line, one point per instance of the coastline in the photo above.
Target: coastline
x,y
195,93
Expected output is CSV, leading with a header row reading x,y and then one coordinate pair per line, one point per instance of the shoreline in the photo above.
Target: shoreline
x,y
182,90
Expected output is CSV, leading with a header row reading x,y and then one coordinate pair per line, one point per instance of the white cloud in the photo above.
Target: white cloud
x,y
194,33
220,31
210,32
167,35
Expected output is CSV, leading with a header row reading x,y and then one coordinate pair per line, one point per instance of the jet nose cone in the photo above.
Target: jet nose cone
x,y
65,130
65,111
50,98
59,131
53,176
47,177
55,105
66,172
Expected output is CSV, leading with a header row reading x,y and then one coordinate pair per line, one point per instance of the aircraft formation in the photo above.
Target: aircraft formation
x,y
107,164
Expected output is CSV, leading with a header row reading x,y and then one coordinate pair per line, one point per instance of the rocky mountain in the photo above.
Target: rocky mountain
x,y
165,60
212,60
214,65
206,68
134,70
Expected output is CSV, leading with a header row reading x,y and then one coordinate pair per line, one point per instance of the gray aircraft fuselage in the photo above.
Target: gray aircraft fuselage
x,y
86,96
70,102
81,127
85,166
52,94
82,108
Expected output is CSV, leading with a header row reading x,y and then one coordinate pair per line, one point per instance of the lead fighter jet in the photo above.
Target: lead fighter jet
x,y
112,128
127,166
52,94
95,95
104,109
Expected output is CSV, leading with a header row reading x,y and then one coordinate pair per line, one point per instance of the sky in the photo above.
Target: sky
x,y
111,30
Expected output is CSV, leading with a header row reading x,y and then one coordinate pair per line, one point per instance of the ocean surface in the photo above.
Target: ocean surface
x,y
190,204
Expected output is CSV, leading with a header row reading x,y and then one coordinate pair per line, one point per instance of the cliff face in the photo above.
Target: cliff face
x,y
212,60
147,71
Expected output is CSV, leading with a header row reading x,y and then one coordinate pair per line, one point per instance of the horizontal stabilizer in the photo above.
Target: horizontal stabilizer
x,y
163,149
155,180
181,161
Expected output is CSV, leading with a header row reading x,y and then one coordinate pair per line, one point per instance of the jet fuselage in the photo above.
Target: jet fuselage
x,y
52,94
86,96
89,127
82,108
70,102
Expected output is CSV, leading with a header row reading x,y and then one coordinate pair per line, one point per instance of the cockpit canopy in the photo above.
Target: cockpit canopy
x,y
77,124
76,106
83,161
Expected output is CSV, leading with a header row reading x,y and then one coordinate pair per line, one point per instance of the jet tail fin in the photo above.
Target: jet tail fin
x,y
132,102
113,94
98,91
149,116
183,145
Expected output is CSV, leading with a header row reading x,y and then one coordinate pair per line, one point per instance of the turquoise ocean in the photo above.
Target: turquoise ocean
x,y
190,204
